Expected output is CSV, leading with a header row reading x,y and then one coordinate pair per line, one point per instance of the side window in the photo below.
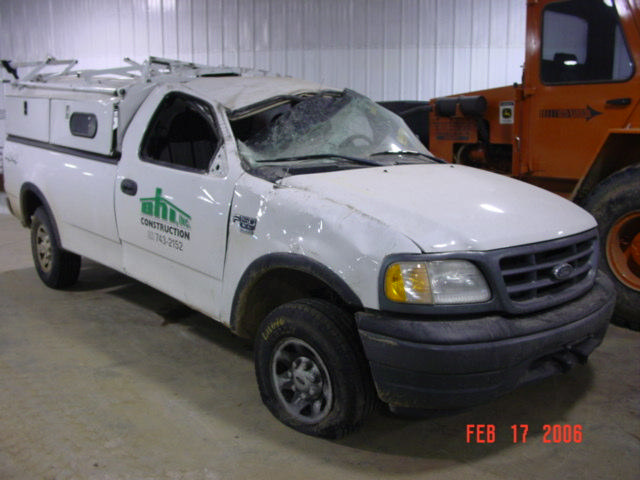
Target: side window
x,y
181,134
582,42
83,125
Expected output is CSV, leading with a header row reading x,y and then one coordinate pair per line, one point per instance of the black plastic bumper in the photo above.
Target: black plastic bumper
x,y
421,363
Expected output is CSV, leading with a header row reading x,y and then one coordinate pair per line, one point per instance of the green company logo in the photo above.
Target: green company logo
x,y
163,209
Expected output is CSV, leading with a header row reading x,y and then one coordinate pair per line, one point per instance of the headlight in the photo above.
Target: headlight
x,y
440,281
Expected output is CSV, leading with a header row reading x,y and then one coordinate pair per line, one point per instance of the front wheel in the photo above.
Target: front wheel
x,y
311,369
615,203
56,267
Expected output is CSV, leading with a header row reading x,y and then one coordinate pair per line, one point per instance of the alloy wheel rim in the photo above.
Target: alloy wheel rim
x,y
44,250
301,380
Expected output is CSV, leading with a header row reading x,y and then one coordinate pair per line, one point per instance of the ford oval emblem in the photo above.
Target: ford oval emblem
x,y
562,271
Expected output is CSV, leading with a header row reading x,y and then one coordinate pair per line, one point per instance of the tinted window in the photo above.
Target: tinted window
x,y
181,133
582,41
83,125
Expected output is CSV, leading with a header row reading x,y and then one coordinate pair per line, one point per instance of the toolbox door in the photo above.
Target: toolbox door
x,y
84,125
28,117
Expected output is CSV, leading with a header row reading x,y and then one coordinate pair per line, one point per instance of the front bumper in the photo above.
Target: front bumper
x,y
421,363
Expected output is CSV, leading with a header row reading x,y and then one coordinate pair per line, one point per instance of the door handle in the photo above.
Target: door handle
x,y
619,102
129,187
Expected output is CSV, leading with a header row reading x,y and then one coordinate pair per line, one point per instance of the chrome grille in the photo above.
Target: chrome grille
x,y
549,270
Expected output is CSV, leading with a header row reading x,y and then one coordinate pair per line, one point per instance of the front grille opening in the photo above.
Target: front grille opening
x,y
584,246
554,256
520,278
516,263
580,262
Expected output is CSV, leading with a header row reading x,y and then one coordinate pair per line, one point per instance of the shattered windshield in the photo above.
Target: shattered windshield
x,y
327,126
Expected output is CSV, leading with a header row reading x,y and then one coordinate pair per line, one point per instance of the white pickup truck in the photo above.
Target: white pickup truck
x,y
312,221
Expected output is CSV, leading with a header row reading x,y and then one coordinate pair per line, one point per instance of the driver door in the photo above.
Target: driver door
x,y
172,202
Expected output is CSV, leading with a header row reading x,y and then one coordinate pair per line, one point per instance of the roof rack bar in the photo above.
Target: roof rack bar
x,y
46,61
38,66
132,62
126,71
173,63
69,67
69,88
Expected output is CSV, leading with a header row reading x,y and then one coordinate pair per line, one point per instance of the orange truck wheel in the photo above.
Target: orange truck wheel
x,y
615,202
623,250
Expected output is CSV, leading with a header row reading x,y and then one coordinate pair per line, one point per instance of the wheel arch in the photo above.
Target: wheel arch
x,y
278,278
31,197
620,150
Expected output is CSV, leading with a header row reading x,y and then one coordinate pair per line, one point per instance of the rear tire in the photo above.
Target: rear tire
x,y
615,203
56,267
311,369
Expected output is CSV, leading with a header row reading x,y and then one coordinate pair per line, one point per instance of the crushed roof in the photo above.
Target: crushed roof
x,y
239,92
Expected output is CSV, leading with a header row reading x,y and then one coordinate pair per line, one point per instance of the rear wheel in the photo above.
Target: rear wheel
x,y
311,369
56,267
615,203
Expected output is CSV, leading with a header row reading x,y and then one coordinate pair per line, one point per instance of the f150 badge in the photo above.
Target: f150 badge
x,y
246,224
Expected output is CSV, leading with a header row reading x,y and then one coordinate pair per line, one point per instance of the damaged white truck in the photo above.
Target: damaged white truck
x,y
312,221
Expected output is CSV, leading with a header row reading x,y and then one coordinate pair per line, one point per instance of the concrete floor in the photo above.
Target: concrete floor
x,y
113,380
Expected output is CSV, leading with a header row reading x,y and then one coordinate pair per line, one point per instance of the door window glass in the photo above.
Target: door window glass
x,y
181,134
582,41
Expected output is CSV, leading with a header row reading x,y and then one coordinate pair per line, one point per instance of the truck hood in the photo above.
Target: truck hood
x,y
450,207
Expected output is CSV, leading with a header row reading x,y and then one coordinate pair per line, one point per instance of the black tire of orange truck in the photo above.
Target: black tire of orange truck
x,y
615,203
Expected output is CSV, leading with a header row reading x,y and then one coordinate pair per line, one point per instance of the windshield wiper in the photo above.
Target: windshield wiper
x,y
362,161
409,152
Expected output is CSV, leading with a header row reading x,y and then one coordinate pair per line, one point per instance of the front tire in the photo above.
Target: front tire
x,y
615,203
311,369
56,267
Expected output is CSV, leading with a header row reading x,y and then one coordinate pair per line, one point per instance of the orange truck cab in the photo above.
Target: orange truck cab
x,y
572,126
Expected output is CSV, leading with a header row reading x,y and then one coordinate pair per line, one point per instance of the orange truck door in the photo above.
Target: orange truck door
x,y
581,78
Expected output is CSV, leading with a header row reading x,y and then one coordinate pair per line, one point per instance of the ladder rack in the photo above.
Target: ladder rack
x,y
114,81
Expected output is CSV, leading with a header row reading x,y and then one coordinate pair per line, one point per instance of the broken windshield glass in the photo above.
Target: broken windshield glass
x,y
327,125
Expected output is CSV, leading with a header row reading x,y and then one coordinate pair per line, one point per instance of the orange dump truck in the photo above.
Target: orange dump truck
x,y
572,126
